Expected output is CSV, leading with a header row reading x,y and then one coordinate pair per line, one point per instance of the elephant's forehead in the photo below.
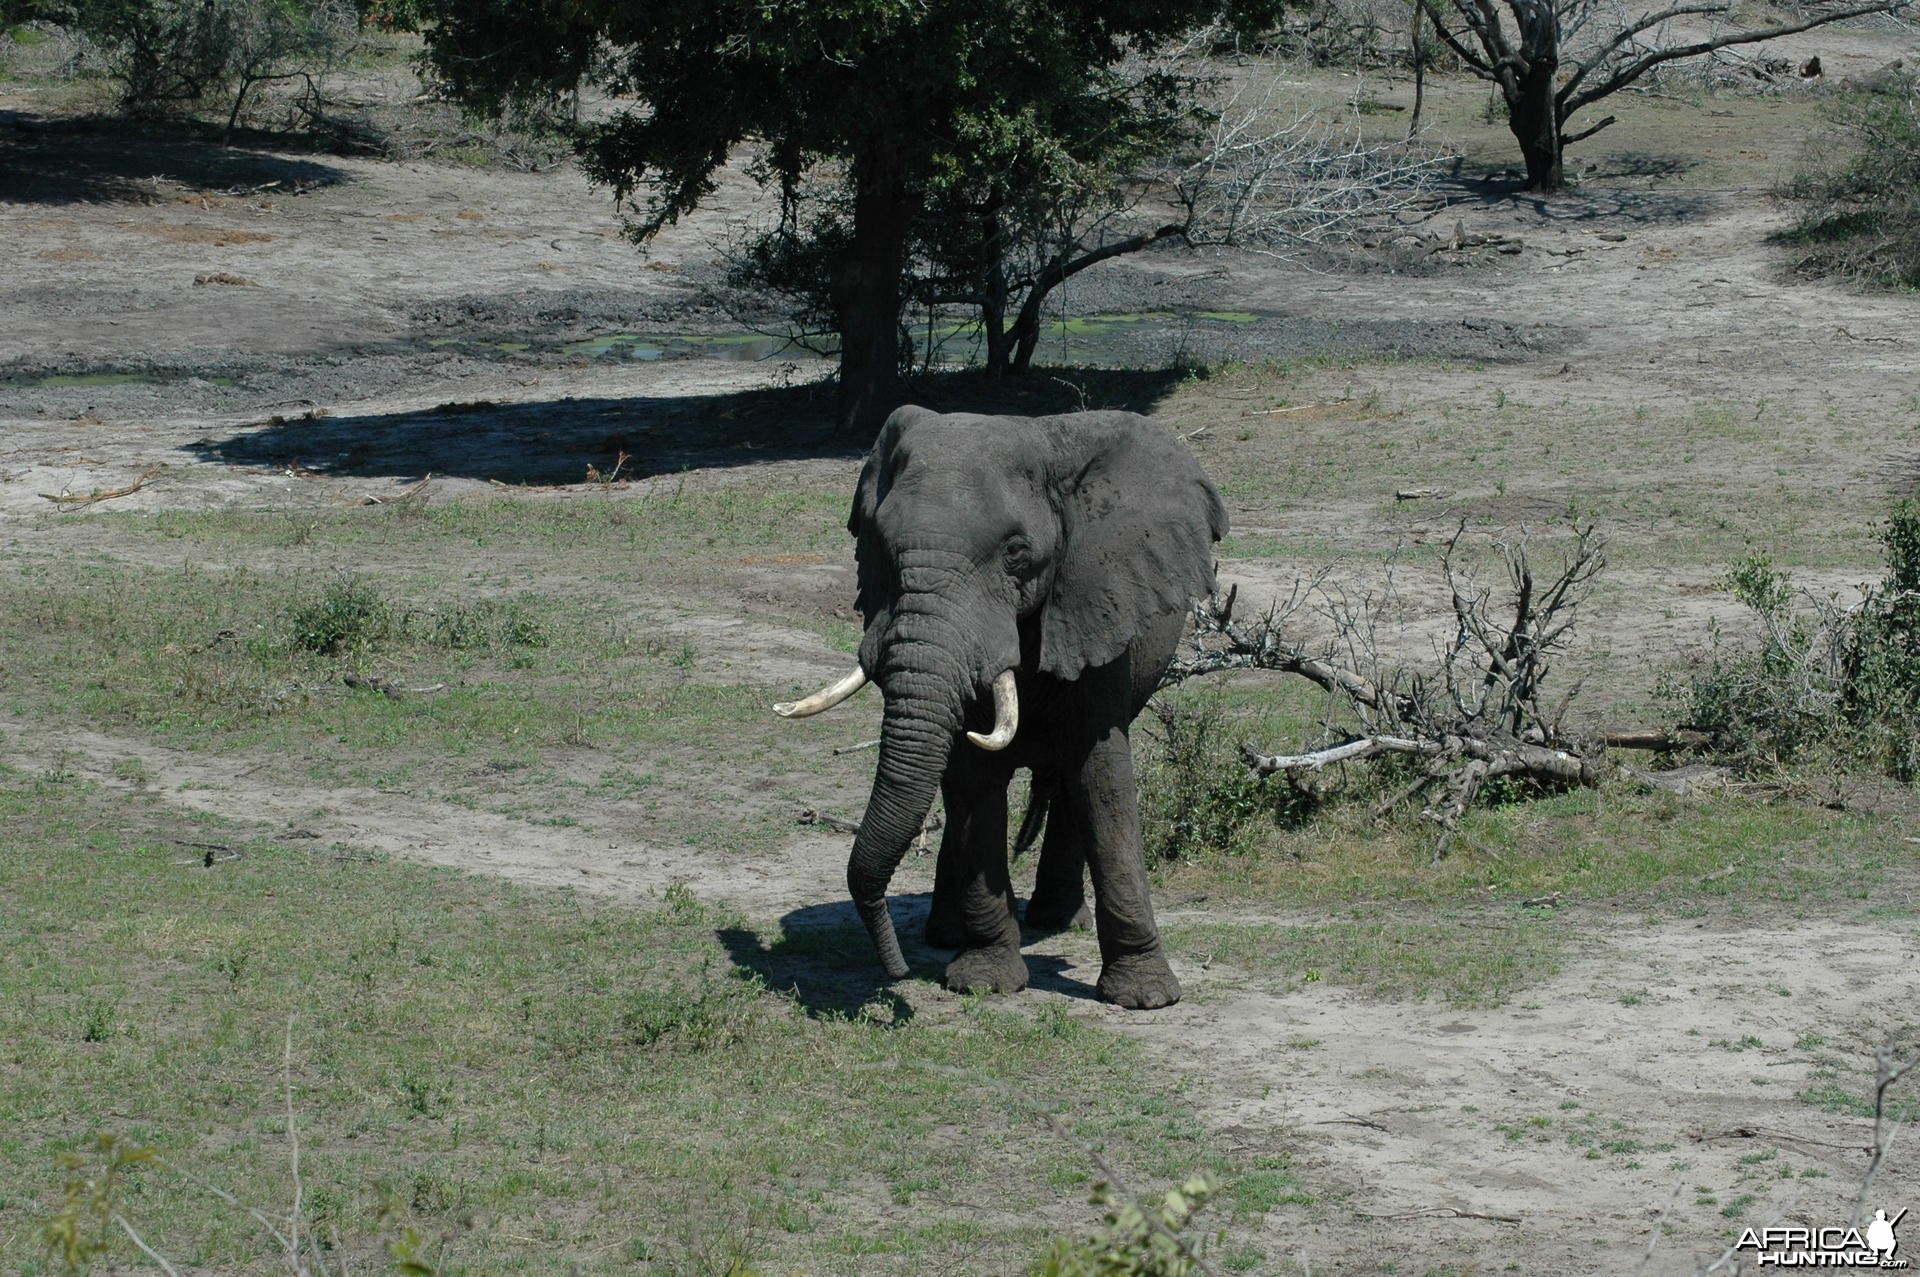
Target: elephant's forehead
x,y
966,459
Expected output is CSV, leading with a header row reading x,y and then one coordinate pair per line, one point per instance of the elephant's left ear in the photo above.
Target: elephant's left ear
x,y
1138,524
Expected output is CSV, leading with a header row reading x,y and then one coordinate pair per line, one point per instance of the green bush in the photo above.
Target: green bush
x,y
175,55
353,616
486,625
1136,1241
1825,679
1197,796
1861,195
348,618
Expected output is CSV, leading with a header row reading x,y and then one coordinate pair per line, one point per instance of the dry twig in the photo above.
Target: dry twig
x,y
72,501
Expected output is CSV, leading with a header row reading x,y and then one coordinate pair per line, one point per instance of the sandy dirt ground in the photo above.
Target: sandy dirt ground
x,y
161,300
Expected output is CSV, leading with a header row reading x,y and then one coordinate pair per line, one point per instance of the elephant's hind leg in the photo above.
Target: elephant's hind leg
x,y
989,960
946,915
1059,900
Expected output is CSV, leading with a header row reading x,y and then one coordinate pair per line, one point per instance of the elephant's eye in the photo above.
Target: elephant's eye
x,y
1019,555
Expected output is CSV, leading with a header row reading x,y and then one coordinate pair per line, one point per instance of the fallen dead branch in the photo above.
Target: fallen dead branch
x,y
412,490
1482,716
1755,1133
840,825
76,501
1275,412
1441,1212
386,687
1654,739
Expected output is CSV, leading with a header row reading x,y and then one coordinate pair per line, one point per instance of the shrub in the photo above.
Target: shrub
x,y
485,624
176,55
348,618
1862,196
1197,795
1136,1241
1825,678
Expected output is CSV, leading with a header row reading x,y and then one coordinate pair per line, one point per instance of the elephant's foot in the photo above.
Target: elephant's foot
x,y
1140,981
1058,915
946,929
994,970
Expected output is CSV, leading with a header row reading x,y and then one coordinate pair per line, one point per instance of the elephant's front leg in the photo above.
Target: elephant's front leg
x,y
989,960
1133,961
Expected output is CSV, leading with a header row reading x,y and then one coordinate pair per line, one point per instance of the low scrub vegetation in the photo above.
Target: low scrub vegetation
x,y
1829,681
1860,196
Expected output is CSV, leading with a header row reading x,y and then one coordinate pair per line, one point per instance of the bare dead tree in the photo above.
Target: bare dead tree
x,y
1552,58
1276,178
1483,713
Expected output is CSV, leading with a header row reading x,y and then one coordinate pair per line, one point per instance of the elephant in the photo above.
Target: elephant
x,y
1024,582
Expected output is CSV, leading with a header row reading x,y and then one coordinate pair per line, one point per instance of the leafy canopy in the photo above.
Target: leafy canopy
x,y
945,81
900,102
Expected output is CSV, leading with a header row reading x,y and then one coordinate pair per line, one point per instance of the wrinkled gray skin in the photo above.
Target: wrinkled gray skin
x,y
1066,549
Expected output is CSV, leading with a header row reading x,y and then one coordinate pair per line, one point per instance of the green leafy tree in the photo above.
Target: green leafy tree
x,y
895,104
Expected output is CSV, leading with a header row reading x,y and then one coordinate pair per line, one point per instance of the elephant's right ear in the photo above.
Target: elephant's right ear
x,y
875,568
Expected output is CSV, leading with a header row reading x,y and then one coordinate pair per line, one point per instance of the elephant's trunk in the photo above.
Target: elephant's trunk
x,y
925,689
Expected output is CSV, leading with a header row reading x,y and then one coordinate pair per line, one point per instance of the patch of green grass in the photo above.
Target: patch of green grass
x,y
1467,960
243,660
695,516
533,1077
1828,1091
1590,845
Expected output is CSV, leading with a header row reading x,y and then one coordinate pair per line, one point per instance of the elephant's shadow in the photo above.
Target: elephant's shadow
x,y
824,960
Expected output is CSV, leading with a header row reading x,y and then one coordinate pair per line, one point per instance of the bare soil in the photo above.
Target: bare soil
x,y
249,329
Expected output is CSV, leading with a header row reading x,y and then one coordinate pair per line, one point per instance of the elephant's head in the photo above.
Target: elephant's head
x,y
994,545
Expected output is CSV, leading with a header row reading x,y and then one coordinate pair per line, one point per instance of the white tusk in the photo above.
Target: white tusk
x,y
824,699
1006,714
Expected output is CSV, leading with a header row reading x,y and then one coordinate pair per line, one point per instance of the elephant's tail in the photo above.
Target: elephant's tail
x,y
1040,796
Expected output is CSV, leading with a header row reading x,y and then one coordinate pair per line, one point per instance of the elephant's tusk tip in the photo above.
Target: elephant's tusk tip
x,y
1006,714
824,699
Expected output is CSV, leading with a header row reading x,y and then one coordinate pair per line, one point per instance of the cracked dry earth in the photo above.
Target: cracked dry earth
x,y
1622,1116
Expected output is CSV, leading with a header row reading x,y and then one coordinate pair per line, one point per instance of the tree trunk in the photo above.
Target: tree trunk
x,y
866,290
1534,118
993,321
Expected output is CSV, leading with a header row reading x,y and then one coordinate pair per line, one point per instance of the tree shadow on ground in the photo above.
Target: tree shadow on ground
x,y
824,960
553,441
107,160
1591,201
